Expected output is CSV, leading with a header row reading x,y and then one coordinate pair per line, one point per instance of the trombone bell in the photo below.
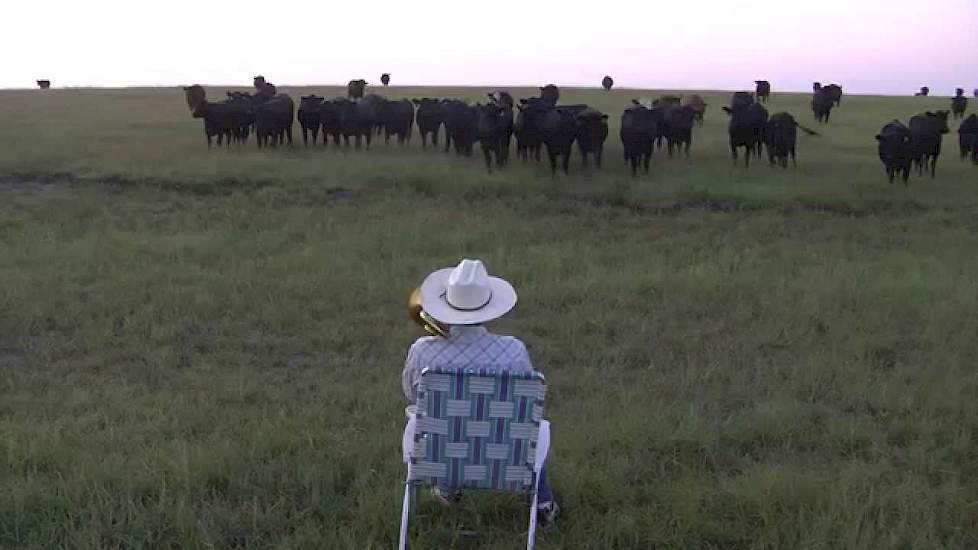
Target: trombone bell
x,y
421,317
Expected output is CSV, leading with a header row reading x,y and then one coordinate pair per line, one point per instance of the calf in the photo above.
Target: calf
x,y
968,138
895,150
822,103
591,133
429,118
308,116
926,133
763,90
638,130
959,104
781,136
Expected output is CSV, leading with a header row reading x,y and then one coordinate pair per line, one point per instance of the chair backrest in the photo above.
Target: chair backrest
x,y
477,428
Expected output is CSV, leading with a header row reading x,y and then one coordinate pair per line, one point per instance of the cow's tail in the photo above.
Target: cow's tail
x,y
808,131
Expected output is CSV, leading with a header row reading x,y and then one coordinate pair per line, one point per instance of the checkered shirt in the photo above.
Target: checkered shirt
x,y
466,346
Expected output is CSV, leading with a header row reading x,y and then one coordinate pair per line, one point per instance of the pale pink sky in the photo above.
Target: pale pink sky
x,y
868,46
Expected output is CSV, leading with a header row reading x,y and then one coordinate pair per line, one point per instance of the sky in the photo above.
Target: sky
x,y
867,46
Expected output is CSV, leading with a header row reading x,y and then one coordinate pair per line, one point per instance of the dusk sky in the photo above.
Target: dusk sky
x,y
868,46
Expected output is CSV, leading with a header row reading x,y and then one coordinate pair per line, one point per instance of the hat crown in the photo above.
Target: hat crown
x,y
468,286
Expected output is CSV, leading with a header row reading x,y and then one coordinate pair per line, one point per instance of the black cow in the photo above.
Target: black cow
x,y
822,103
397,118
528,127
44,84
591,133
638,131
461,126
217,116
331,120
308,116
377,102
242,114
924,92
895,150
357,120
781,136
385,79
273,121
501,98
676,125
835,92
494,129
747,123
607,82
550,94
926,133
959,104
559,127
429,117
816,86
763,90
968,138
741,99
354,89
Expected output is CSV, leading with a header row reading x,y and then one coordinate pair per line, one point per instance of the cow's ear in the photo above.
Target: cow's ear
x,y
879,137
604,117
726,109
635,102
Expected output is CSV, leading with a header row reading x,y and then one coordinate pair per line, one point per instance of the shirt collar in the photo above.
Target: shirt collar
x,y
464,332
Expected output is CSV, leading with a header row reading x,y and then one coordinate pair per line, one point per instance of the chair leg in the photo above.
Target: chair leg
x,y
531,537
405,517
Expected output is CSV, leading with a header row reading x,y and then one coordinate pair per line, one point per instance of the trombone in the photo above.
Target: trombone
x,y
421,317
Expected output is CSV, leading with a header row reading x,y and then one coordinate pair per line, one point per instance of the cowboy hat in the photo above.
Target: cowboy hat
x,y
466,294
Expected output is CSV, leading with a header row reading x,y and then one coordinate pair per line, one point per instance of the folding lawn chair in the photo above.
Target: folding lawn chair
x,y
477,429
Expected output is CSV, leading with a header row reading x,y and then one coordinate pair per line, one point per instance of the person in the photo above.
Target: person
x,y
463,299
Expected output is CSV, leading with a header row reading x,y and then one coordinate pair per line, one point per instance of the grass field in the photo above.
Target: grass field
x,y
203,349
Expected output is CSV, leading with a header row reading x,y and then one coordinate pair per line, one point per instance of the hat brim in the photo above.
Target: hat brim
x,y
434,303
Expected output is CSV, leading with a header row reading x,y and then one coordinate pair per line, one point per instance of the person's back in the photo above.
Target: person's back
x,y
466,346
462,299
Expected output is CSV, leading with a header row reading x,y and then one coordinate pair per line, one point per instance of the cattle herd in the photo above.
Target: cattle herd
x,y
541,122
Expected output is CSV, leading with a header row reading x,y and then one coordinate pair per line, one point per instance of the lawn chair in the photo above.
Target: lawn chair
x,y
476,429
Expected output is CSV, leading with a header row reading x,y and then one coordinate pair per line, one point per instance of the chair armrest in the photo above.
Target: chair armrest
x,y
543,445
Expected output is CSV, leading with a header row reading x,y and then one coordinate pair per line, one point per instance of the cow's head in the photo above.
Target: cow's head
x,y
195,95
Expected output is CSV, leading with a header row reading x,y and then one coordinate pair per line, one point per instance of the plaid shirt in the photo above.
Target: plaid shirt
x,y
466,346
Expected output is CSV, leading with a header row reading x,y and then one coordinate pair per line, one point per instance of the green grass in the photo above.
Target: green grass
x,y
737,359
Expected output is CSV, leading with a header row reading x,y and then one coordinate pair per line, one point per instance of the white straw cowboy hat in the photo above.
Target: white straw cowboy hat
x,y
466,294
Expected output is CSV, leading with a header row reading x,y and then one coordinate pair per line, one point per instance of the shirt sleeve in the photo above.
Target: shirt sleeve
x,y
412,370
523,356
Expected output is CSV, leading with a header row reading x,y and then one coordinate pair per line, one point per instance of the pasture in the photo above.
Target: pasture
x,y
202,349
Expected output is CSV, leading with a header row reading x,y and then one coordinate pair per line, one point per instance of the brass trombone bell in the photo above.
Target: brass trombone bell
x,y
421,317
